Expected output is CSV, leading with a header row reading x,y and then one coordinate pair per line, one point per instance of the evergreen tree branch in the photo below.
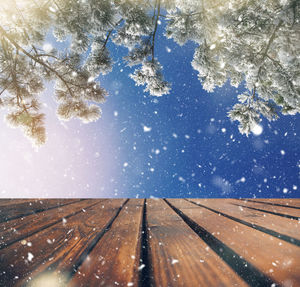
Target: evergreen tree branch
x,y
154,13
268,47
37,60
110,32
6,86
271,39
155,30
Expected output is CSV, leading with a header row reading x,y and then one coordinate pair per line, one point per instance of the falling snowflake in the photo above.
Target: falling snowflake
x,y
147,129
30,256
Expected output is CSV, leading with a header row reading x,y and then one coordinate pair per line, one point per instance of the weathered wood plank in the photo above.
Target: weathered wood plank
x,y
60,247
20,228
115,259
279,210
285,226
276,259
25,207
13,201
57,241
291,202
10,201
178,256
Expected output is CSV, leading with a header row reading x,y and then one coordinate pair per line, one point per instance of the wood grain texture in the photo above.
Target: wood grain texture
x,y
173,242
279,210
290,202
59,247
274,258
115,259
285,226
23,207
14,201
20,228
179,257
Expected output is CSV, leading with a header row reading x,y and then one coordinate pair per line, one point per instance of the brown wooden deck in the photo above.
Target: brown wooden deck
x,y
152,242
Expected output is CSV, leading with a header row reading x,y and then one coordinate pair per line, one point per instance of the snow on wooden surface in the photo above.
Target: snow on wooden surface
x,y
150,242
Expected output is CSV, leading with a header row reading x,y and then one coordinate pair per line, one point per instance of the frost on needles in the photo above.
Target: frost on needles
x,y
255,42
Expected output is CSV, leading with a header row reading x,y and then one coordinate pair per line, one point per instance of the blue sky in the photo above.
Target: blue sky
x,y
179,145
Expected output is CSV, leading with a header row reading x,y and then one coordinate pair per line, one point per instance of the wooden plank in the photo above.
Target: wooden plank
x,y
10,201
178,256
60,247
279,210
22,208
291,202
275,258
285,226
115,260
19,228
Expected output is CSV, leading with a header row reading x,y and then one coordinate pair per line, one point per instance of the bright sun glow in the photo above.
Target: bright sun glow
x,y
49,280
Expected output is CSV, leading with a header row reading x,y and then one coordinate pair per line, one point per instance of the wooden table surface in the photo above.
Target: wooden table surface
x,y
149,242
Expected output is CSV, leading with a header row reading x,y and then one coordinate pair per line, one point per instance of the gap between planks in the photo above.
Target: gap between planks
x,y
146,253
286,229
272,257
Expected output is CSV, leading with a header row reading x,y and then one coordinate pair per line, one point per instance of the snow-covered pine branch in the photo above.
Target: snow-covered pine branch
x,y
253,43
